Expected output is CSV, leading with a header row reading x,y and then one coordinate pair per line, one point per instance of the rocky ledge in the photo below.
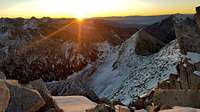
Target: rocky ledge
x,y
33,97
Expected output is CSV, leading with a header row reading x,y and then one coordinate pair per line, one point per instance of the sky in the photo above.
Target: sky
x,y
94,8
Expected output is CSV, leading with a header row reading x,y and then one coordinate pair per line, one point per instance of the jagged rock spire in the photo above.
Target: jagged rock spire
x,y
198,10
197,16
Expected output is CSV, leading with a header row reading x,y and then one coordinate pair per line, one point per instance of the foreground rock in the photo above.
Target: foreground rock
x,y
23,99
40,86
74,103
185,98
4,96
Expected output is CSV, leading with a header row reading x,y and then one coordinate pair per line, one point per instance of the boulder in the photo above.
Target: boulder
x,y
23,99
101,108
120,108
173,97
4,96
40,86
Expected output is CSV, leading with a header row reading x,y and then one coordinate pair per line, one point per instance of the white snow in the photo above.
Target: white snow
x,y
193,57
197,73
125,75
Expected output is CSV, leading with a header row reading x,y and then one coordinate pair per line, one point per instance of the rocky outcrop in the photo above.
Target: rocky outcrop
x,y
180,89
186,98
50,104
33,97
188,36
147,44
187,78
4,96
164,30
23,99
197,16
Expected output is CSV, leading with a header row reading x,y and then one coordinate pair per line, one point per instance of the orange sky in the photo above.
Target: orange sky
x,y
94,8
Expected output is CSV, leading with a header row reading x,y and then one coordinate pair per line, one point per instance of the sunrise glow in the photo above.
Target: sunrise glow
x,y
94,8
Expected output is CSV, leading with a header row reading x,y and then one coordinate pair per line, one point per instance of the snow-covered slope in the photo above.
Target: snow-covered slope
x,y
125,75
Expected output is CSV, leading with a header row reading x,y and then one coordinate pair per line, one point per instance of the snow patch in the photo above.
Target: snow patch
x,y
197,73
193,57
124,75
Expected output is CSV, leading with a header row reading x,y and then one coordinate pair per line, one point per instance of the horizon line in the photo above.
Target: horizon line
x,y
97,16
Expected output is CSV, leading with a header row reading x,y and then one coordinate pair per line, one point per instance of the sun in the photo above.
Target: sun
x,y
80,17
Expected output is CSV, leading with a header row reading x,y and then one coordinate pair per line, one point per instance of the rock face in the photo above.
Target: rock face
x,y
198,10
4,96
188,36
188,79
197,16
187,98
147,44
23,99
40,86
164,30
